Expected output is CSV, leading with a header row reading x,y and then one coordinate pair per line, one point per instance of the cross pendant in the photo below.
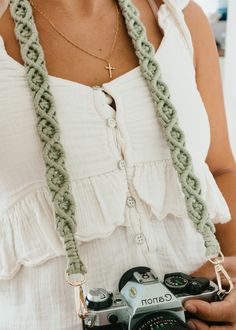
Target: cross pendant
x,y
110,69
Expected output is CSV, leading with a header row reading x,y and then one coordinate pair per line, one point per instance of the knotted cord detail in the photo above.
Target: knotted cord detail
x,y
175,138
49,132
48,129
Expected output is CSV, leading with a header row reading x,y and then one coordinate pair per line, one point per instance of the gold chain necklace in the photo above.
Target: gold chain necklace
x,y
108,67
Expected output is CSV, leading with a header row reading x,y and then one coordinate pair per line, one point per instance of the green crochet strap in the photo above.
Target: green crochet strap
x,y
167,114
48,129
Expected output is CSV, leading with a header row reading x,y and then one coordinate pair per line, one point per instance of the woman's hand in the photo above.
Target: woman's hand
x,y
3,6
223,311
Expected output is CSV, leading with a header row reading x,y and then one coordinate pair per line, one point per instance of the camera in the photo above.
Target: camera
x,y
145,303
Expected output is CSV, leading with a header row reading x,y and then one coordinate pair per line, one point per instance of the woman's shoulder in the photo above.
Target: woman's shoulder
x,y
195,17
8,36
198,25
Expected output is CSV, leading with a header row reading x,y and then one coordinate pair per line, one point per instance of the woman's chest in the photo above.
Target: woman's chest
x,y
97,138
79,48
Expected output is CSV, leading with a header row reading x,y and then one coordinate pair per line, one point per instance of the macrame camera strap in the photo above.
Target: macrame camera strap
x,y
57,176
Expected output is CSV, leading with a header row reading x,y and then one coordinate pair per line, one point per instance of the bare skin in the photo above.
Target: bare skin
x,y
91,24
80,25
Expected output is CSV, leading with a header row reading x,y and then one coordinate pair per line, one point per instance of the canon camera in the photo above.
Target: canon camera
x,y
145,303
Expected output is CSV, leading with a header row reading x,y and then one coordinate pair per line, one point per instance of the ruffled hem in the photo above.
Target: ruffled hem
x,y
27,234
27,230
158,186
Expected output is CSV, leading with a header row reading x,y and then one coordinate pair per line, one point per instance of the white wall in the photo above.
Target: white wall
x,y
209,6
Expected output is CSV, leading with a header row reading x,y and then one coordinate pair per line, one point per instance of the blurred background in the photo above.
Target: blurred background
x,y
222,17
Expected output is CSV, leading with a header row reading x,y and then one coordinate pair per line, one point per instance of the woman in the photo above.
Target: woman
x,y
130,208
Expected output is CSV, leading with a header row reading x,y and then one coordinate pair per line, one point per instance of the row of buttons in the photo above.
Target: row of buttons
x,y
112,123
139,238
130,202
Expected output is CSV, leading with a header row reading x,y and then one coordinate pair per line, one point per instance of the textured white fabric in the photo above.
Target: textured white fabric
x,y
154,231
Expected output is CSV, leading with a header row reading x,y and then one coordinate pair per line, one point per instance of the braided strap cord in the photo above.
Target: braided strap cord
x,y
167,114
48,129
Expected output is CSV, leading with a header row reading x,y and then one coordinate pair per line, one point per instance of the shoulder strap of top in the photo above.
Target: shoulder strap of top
x,y
154,7
176,7
182,3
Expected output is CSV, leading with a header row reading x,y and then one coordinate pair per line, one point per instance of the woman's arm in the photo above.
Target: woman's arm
x,y
220,157
222,165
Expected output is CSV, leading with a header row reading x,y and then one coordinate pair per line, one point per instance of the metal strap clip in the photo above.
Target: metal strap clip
x,y
221,274
80,303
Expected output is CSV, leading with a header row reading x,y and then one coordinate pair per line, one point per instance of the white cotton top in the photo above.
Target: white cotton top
x,y
129,206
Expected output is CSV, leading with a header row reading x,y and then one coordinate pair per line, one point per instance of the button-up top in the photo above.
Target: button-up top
x,y
130,209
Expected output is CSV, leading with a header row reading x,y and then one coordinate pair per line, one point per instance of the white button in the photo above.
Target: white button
x,y
130,201
139,239
111,122
109,99
121,164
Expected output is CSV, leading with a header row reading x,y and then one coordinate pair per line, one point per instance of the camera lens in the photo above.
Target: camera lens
x,y
160,320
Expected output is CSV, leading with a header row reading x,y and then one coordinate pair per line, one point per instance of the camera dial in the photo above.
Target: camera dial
x,y
98,299
176,282
180,283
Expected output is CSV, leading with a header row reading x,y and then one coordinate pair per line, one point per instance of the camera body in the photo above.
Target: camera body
x,y
143,302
